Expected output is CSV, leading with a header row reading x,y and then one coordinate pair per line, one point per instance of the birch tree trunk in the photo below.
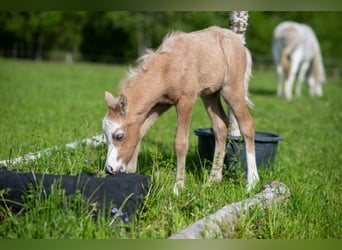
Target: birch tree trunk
x,y
221,224
239,22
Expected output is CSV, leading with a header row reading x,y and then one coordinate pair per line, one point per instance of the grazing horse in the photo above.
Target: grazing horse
x,y
296,50
209,63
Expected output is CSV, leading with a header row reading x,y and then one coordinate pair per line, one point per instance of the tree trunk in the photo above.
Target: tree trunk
x,y
221,224
239,22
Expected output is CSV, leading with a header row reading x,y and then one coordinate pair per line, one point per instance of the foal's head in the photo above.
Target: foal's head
x,y
122,135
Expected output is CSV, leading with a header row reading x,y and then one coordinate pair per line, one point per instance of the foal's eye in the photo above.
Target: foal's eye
x,y
119,136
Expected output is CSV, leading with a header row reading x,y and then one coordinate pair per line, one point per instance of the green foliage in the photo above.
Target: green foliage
x,y
325,25
67,101
36,32
121,36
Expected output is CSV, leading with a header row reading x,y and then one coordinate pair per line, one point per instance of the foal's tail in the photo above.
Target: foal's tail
x,y
248,74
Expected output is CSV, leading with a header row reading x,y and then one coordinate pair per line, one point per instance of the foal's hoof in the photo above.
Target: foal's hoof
x,y
215,178
251,185
179,185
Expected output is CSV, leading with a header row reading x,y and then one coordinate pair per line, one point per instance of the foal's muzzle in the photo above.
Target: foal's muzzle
x,y
118,169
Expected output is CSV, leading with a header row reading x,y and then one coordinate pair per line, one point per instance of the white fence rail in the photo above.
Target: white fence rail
x,y
94,141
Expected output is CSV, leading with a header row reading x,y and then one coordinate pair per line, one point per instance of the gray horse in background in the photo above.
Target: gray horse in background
x,y
296,52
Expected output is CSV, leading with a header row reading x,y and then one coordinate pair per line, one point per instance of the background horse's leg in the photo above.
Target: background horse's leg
x,y
302,72
219,121
296,58
184,109
151,117
280,73
314,87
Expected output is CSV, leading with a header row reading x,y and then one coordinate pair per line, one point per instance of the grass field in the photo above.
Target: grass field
x,y
47,104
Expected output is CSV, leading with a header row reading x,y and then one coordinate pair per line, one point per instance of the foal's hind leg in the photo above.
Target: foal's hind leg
x,y
236,100
219,123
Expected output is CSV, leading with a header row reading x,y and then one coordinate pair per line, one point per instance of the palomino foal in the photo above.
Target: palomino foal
x,y
209,63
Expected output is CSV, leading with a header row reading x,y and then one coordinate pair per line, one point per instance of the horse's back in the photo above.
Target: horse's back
x,y
292,35
285,34
205,56
204,42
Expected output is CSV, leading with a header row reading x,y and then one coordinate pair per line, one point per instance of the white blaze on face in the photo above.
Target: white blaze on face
x,y
113,164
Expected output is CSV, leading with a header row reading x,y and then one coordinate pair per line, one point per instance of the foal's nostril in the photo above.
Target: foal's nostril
x,y
110,170
122,169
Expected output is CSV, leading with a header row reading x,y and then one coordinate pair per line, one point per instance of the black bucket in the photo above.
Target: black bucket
x,y
265,148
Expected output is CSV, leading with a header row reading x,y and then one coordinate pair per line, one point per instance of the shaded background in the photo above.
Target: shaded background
x,y
121,36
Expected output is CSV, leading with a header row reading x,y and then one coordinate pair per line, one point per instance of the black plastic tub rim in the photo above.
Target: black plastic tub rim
x,y
259,135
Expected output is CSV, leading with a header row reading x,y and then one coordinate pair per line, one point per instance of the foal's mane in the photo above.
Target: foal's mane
x,y
143,61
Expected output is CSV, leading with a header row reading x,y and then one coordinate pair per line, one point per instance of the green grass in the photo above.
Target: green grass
x,y
46,104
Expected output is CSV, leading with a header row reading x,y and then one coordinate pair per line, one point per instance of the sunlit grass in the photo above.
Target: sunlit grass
x,y
47,104
43,105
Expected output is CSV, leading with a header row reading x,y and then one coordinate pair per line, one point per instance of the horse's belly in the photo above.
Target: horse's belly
x,y
209,90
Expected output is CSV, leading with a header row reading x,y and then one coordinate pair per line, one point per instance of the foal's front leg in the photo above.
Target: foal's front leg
x,y
184,109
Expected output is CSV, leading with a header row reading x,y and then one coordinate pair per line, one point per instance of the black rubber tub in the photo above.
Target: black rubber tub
x,y
111,193
265,148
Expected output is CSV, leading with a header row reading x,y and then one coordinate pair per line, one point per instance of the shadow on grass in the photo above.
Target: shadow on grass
x,y
160,155
156,154
263,92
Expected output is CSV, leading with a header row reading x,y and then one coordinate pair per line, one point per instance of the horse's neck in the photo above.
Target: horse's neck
x,y
142,96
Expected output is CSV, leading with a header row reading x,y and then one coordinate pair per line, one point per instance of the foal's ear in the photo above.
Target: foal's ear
x,y
123,104
110,100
